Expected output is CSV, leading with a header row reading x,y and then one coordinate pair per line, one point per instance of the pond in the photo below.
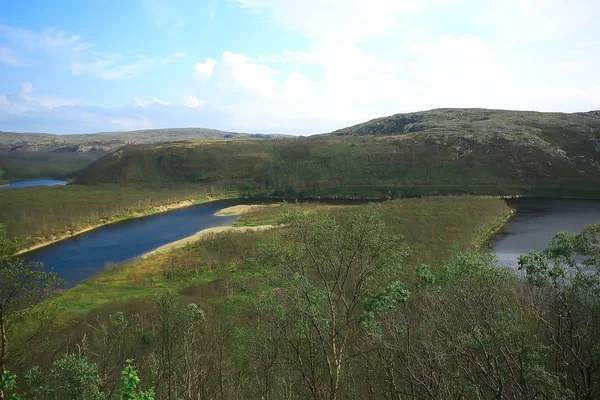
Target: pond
x,y
39,182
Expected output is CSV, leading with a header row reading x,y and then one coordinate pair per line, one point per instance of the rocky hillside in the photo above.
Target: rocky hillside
x,y
572,138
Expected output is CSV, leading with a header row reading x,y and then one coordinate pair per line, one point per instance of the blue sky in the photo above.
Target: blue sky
x,y
289,66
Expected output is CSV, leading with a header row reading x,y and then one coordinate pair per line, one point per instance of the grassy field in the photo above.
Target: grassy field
x,y
204,271
43,214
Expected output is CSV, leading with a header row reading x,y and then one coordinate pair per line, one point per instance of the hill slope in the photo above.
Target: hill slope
x,y
35,155
438,151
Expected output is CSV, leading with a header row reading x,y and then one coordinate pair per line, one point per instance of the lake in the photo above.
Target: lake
x,y
39,182
536,221
80,257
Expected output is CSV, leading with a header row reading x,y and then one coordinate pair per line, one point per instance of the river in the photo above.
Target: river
x,y
39,182
80,257
533,224
536,221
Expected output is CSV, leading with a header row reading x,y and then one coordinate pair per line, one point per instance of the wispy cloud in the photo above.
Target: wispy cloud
x,y
8,57
145,103
79,56
46,40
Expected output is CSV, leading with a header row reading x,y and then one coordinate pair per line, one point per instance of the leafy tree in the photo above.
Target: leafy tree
x,y
320,273
23,285
76,378
129,382
566,282
176,328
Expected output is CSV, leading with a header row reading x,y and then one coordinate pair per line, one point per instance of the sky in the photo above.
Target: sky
x,y
287,66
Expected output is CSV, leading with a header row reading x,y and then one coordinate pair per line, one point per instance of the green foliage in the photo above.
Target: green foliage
x,y
23,285
77,377
8,383
383,302
129,382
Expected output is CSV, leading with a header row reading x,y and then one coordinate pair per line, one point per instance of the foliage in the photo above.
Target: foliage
x,y
23,285
129,382
329,308
77,377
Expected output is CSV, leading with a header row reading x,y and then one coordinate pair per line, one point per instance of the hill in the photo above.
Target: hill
x,y
37,155
430,152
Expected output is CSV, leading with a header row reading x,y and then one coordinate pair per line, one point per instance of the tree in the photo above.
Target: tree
x,y
177,327
319,276
23,285
566,282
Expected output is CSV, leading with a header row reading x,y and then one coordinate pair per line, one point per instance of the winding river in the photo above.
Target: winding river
x,y
536,221
81,256
78,258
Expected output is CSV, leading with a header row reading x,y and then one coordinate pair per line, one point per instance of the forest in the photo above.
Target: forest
x,y
336,304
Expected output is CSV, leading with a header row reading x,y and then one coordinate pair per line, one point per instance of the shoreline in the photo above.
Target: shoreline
x,y
482,240
479,242
201,235
159,209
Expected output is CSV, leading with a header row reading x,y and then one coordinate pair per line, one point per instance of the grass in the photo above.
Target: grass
x,y
430,226
43,214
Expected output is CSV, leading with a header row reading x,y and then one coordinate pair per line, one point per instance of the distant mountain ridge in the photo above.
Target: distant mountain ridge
x,y
111,140
46,155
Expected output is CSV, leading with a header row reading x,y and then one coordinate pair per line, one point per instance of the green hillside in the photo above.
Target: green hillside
x,y
433,152
44,155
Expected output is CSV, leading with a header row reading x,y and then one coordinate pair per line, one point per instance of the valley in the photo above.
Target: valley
x,y
414,204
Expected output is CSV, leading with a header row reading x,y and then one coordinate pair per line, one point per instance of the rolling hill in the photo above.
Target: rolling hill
x,y
430,152
37,155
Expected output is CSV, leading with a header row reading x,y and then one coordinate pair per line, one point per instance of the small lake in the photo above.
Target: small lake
x,y
536,221
80,257
39,182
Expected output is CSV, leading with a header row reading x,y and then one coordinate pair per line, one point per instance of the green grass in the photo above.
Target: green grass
x,y
430,226
43,213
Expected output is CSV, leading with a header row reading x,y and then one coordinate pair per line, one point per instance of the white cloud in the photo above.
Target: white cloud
x,y
193,102
334,20
238,71
26,101
131,123
285,57
8,57
145,103
204,70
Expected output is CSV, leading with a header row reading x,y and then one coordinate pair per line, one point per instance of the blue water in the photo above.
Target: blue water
x,y
40,182
536,221
82,256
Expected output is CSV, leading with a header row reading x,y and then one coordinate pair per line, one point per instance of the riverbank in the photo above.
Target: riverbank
x,y
239,209
118,218
482,239
242,209
202,235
